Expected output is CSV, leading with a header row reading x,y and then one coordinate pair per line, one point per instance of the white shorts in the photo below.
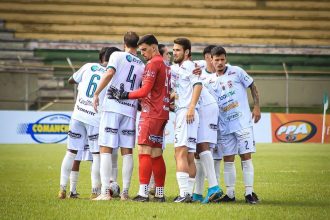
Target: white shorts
x,y
116,130
208,123
84,155
239,142
216,152
185,134
79,132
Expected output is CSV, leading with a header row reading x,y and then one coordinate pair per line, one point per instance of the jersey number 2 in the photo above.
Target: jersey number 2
x,y
92,85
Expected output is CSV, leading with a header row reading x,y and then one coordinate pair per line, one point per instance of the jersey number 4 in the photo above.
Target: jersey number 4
x,y
92,85
131,77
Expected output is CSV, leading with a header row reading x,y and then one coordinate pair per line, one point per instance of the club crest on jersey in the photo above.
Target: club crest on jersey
x,y
129,58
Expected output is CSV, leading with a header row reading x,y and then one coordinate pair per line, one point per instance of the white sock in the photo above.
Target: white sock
x,y
200,177
159,191
191,182
248,176
183,179
114,170
207,161
95,174
66,168
152,181
127,171
105,166
217,170
229,175
74,175
144,190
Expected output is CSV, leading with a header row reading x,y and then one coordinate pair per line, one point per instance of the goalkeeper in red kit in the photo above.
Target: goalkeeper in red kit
x,y
155,103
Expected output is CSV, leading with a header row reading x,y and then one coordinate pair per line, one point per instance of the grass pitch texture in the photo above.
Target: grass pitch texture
x,y
292,181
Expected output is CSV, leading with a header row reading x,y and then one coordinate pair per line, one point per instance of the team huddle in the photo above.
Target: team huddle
x,y
213,121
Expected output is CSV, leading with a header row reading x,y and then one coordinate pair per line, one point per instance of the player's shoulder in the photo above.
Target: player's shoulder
x,y
234,70
188,65
132,59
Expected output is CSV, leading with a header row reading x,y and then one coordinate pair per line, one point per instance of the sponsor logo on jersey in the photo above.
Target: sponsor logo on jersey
x,y
192,140
49,129
128,132
295,131
85,110
93,137
129,58
230,106
95,68
233,116
156,139
227,95
213,126
74,135
111,130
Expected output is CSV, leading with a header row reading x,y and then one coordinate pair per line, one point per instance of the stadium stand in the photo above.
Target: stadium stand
x,y
260,35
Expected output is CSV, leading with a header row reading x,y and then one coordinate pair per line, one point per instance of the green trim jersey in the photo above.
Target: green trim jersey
x,y
129,70
88,78
230,90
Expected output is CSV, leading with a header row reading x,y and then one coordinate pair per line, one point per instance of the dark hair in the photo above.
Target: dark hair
x,y
102,52
208,49
109,51
185,43
218,50
161,48
131,39
148,39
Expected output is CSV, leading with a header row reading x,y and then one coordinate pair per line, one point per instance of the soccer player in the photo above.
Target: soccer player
x,y
207,136
117,125
155,101
164,52
236,122
187,88
84,120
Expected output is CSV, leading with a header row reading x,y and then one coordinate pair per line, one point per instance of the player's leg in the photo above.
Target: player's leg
x,y
156,131
94,148
74,176
229,147
127,143
207,134
185,142
246,147
192,171
114,171
199,180
108,139
76,137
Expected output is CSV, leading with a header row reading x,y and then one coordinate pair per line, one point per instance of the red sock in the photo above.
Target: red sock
x,y
159,170
145,168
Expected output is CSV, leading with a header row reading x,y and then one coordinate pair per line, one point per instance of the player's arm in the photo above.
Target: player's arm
x,y
256,115
105,79
72,81
197,89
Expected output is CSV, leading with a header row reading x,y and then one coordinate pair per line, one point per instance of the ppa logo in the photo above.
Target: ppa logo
x,y
49,129
295,131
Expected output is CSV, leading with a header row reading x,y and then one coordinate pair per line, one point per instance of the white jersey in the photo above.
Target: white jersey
x,y
88,78
183,80
200,63
232,99
206,98
129,70
206,75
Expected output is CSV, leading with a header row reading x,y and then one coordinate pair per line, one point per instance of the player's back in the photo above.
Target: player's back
x,y
129,69
157,102
88,78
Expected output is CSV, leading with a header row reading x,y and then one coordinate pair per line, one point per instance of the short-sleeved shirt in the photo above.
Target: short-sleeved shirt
x,y
230,90
129,69
182,82
157,103
88,78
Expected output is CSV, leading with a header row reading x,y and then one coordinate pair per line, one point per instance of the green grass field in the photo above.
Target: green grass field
x,y
292,180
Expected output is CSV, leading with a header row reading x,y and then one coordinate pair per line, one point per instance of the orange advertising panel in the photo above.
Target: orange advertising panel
x,y
297,128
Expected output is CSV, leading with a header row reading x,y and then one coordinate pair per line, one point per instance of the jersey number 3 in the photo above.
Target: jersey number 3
x,y
92,85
